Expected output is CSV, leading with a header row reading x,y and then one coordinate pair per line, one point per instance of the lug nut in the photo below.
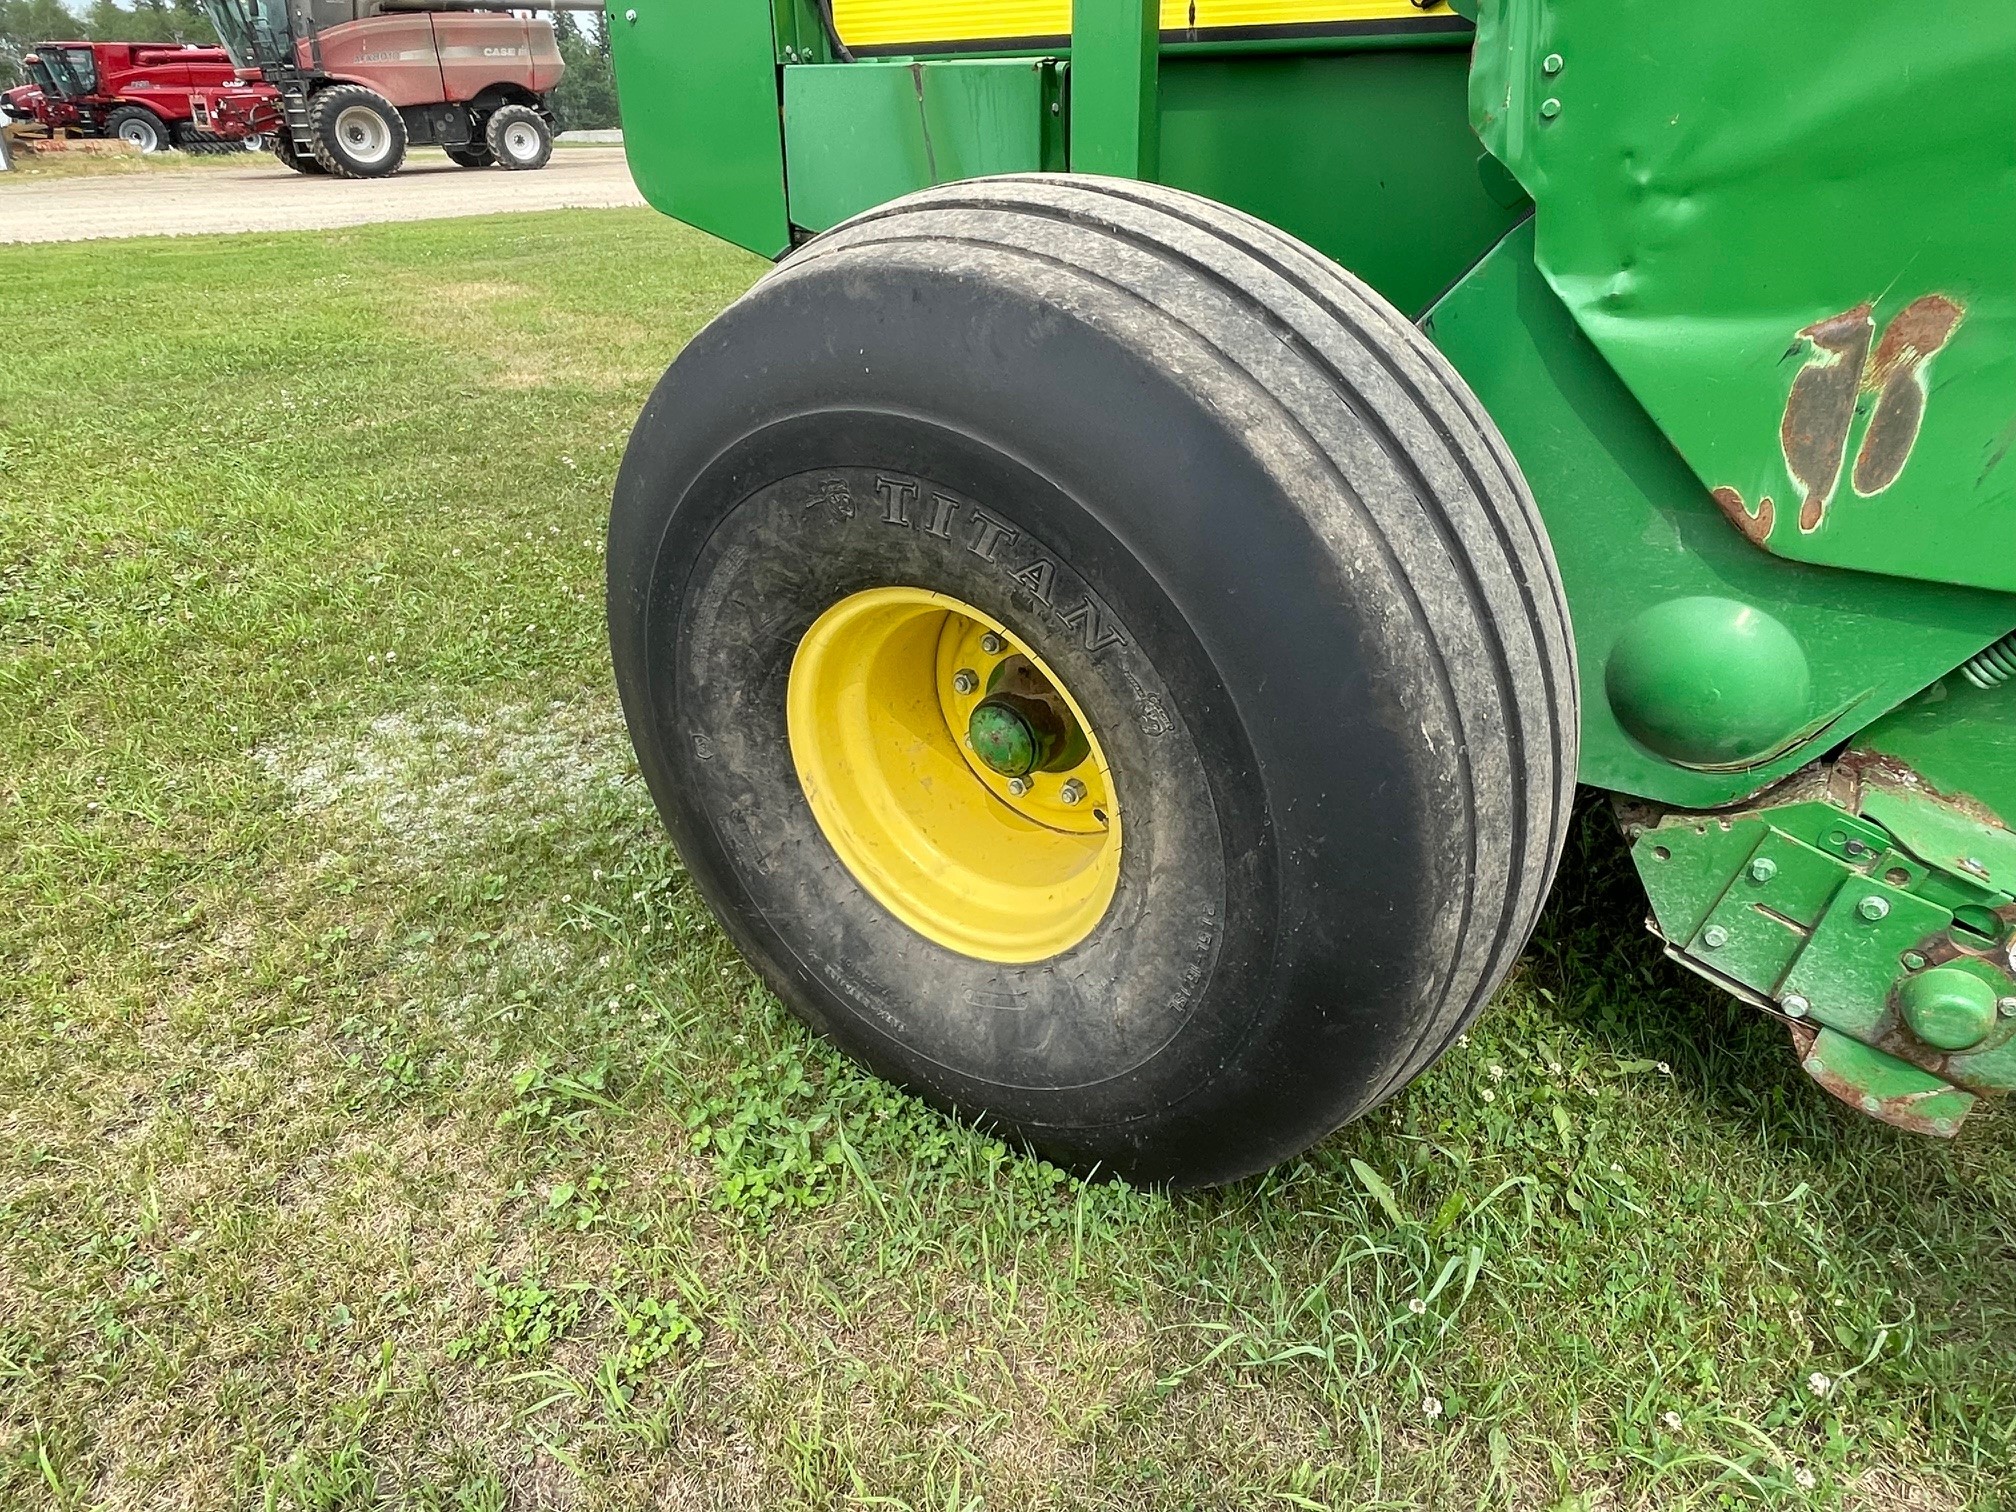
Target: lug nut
x,y
992,644
1019,786
1073,791
965,680
1873,908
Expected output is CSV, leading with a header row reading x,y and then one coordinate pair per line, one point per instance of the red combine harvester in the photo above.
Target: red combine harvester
x,y
349,85
153,95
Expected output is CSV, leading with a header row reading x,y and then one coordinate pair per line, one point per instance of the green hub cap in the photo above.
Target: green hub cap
x,y
1001,737
1948,1008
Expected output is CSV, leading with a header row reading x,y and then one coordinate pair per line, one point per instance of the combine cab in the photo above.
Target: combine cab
x,y
155,96
356,82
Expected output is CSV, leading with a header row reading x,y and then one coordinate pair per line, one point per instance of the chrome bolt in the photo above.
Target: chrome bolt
x,y
2007,1006
1019,786
1073,791
965,680
1551,64
630,16
1549,109
992,644
1763,869
1913,961
1714,937
1873,908
1795,1006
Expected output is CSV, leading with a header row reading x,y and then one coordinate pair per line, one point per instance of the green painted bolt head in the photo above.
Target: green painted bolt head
x,y
1913,961
1873,908
1550,109
1947,1007
1551,64
1714,937
1001,738
1795,1006
1763,869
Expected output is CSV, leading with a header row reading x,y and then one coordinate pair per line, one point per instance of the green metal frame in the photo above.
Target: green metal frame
x,y
1691,259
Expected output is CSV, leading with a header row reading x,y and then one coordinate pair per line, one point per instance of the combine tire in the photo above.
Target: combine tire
x,y
1101,665
139,126
475,156
282,143
518,137
357,133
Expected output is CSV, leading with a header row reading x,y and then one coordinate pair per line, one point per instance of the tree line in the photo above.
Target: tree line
x,y
585,100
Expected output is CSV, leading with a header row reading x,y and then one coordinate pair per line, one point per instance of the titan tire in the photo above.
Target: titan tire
x,y
282,145
477,156
140,127
356,132
518,137
1267,548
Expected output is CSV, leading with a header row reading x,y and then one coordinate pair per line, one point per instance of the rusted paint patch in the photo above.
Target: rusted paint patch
x,y
1756,527
1897,377
1814,431
1935,1110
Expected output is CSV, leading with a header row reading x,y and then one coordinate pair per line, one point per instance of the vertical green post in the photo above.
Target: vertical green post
x,y
1114,46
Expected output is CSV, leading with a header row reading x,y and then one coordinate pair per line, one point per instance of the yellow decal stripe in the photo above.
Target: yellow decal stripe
x,y
886,23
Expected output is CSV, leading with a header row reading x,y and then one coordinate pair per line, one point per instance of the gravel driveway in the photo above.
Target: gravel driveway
x,y
260,195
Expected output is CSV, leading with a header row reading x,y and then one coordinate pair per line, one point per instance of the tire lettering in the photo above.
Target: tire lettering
x,y
897,495
1036,577
942,510
988,537
1087,620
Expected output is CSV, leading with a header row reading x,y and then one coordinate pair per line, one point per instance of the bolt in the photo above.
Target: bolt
x,y
630,16
2006,1006
1549,109
965,680
1913,961
1873,908
1871,1103
1763,869
1073,791
992,644
1855,847
1714,937
1795,1006
1019,786
1974,864
1551,63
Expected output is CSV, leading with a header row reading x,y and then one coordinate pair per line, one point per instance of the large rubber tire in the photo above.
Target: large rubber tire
x,y
356,132
476,156
1264,535
518,137
141,127
282,144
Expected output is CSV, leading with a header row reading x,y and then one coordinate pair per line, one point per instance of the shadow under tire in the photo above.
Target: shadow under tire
x,y
1242,512
518,138
356,132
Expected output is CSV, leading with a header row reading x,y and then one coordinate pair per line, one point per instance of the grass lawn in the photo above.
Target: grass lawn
x,y
385,1123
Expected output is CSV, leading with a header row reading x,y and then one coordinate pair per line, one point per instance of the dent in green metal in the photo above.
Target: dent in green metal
x,y
1791,234
1115,48
698,86
1632,528
859,134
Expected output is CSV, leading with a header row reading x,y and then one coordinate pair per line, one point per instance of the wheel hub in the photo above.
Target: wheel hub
x,y
953,774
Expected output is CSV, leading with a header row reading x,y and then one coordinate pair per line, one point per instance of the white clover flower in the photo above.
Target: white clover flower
x,y
1672,1421
1489,1095
1497,1071
1553,1068
1804,1478
1664,1069
1416,1306
1431,1407
1819,1384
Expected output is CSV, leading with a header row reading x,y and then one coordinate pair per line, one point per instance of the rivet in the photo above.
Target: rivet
x,y
1763,869
1073,791
965,680
1714,937
1551,63
1837,837
1873,907
1795,1006
1549,109
992,644
1019,786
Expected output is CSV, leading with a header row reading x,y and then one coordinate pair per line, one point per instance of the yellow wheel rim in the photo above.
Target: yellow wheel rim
x,y
881,706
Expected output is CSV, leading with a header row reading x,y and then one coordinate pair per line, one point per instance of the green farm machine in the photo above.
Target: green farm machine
x,y
1115,620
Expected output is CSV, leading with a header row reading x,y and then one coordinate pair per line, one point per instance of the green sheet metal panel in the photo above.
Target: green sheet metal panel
x,y
1367,156
698,87
1793,232
859,134
1634,530
1960,738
